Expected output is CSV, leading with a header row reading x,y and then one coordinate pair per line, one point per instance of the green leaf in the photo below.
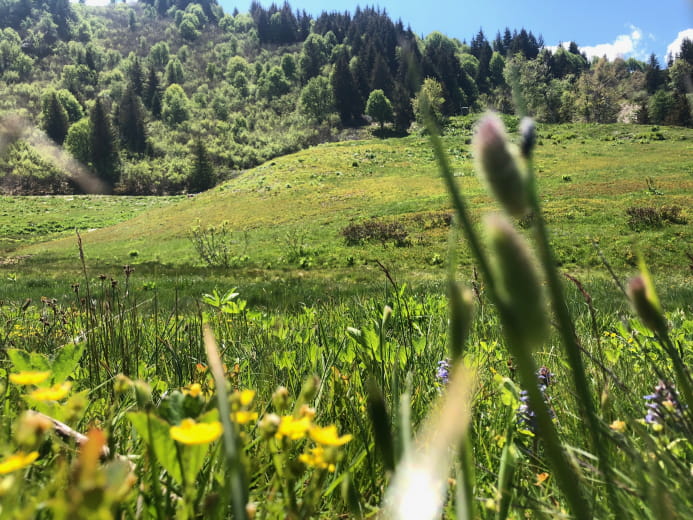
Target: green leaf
x,y
66,360
23,361
155,433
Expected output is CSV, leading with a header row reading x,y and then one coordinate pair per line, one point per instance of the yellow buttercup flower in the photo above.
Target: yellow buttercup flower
x,y
293,428
618,426
243,416
247,397
327,436
54,393
316,459
29,377
195,390
191,432
17,461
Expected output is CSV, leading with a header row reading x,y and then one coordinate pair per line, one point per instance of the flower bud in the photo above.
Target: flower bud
x,y
528,135
269,425
31,430
517,283
280,399
645,303
498,163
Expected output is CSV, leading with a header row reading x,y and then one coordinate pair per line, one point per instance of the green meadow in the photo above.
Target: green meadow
x,y
352,350
286,218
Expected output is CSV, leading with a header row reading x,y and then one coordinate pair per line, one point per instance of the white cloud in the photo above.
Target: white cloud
x,y
675,47
624,46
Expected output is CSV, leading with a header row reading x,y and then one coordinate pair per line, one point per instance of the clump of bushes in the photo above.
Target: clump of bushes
x,y
374,230
644,217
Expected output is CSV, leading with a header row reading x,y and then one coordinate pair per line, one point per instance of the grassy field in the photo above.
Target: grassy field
x,y
327,385
286,218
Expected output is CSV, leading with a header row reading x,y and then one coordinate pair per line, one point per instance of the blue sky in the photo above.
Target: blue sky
x,y
612,27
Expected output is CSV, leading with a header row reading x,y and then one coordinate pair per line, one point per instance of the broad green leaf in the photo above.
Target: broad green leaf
x,y
159,440
26,361
66,360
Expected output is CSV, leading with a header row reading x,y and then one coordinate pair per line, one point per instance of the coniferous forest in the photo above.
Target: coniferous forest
x,y
166,97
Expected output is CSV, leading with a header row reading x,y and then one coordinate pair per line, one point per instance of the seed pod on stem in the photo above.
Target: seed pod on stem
x,y
519,289
498,163
646,303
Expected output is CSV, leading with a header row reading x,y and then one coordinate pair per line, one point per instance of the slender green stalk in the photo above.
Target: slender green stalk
x,y
567,477
569,339
239,493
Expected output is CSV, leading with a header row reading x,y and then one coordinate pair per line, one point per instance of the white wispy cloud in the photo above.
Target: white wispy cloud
x,y
624,46
675,47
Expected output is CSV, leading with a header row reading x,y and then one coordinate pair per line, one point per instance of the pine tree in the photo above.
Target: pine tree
x,y
346,96
104,151
136,76
152,94
131,121
404,111
201,176
55,120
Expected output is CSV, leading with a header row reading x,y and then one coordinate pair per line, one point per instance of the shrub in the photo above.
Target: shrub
x,y
643,217
215,246
374,230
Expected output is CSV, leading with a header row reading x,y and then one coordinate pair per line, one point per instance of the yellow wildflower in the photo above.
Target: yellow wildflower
x,y
243,416
29,377
316,459
327,436
293,428
17,461
195,390
247,397
618,426
54,393
191,432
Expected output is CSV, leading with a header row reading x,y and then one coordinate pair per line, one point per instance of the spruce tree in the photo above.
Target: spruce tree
x,y
202,174
104,151
152,94
55,120
131,122
136,76
346,96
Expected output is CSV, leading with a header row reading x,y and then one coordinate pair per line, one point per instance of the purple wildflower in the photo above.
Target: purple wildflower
x,y
663,406
443,371
526,417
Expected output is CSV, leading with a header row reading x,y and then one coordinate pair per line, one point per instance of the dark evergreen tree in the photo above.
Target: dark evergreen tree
x,y
401,105
152,95
381,77
131,125
201,176
654,78
55,120
507,40
346,96
498,45
104,150
481,49
686,52
136,76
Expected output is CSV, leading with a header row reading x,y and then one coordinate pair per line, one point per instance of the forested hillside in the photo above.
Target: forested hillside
x,y
168,97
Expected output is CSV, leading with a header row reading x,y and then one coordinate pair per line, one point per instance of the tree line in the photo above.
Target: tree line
x,y
167,96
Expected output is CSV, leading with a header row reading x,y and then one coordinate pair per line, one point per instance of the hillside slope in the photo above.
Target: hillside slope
x,y
292,212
